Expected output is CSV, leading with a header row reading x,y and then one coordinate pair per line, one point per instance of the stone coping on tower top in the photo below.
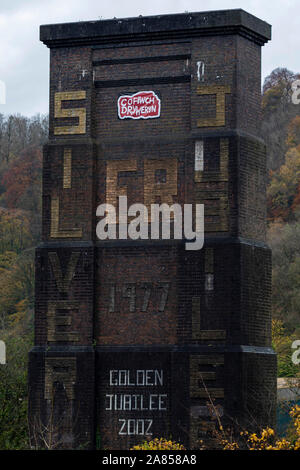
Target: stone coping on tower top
x,y
145,28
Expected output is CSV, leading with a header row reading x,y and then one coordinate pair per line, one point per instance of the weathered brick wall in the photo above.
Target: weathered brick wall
x,y
248,86
195,321
137,296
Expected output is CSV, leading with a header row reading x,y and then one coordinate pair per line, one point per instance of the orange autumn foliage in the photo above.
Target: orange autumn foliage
x,y
23,175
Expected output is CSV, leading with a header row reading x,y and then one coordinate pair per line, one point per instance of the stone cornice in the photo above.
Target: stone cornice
x,y
150,28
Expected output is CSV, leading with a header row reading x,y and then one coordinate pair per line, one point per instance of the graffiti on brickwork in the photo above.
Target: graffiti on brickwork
x,y
141,105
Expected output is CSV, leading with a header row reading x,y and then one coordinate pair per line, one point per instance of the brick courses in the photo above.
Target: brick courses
x,y
195,317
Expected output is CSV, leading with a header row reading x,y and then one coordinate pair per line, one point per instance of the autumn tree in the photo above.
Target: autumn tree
x,y
284,241
283,189
18,132
277,111
21,182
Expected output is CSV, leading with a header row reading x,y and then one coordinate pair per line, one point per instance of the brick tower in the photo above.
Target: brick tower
x,y
135,338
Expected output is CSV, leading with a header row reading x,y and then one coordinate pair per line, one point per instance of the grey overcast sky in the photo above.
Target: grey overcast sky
x,y
24,61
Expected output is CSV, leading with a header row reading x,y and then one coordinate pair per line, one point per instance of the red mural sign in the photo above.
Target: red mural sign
x,y
141,105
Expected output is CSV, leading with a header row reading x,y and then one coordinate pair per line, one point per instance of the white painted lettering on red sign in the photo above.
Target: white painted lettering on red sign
x,y
141,105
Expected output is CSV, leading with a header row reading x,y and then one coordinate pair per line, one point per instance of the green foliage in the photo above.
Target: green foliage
x,y
281,342
7,259
13,392
284,186
17,285
284,241
22,181
15,234
159,444
20,196
277,113
281,130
